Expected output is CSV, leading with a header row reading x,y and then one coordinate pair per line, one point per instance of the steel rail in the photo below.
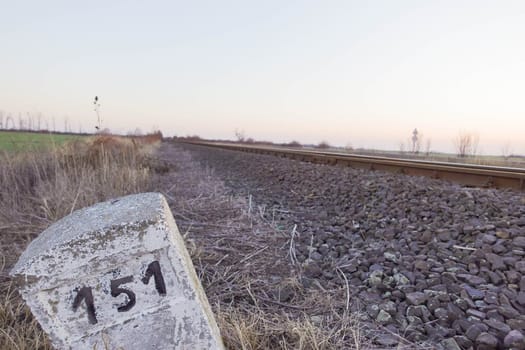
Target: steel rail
x,y
465,174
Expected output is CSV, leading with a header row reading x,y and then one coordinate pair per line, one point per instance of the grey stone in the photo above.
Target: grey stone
x,y
316,319
491,298
475,313
312,269
426,237
323,249
390,257
376,267
463,342
475,330
489,239
508,311
387,340
414,321
472,279
497,325
416,298
383,317
515,323
519,242
521,298
316,256
461,303
433,304
495,277
376,278
486,341
514,339
441,314
513,276
468,229
444,236
389,307
422,265
494,314
502,234
473,293
454,312
372,310
496,261
400,279
450,344
499,248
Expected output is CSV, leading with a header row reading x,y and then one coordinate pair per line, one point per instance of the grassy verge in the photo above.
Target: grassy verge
x,y
38,188
240,252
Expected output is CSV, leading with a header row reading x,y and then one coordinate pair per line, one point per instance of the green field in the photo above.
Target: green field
x,y
23,141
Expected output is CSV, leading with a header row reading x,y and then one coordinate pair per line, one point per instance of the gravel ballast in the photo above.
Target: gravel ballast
x,y
423,258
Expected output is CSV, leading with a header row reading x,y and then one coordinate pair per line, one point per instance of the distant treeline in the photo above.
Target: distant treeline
x,y
249,141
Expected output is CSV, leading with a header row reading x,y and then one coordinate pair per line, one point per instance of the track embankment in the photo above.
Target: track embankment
x,y
466,174
422,258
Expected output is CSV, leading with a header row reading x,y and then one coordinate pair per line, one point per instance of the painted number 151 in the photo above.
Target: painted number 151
x,y
85,293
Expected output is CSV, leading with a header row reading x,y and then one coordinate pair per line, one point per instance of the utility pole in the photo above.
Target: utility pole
x,y
414,140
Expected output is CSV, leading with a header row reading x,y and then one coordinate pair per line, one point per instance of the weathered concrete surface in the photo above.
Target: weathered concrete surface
x,y
117,272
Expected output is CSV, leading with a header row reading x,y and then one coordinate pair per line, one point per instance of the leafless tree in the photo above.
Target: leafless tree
x,y
39,118
30,121
506,150
323,145
428,146
1,119
240,135
419,143
7,119
20,122
401,147
466,144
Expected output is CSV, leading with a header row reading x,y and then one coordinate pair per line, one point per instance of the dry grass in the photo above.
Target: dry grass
x,y
261,300
39,188
240,251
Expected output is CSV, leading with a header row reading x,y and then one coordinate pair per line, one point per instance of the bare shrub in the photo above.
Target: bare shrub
x,y
294,144
240,135
428,147
506,150
323,145
466,144
38,188
402,147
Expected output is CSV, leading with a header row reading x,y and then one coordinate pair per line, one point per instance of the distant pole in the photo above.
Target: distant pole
x,y
414,140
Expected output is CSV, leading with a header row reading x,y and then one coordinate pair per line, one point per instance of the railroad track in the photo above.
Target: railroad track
x,y
466,174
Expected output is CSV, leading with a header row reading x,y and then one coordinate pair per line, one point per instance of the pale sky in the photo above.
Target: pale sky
x,y
360,72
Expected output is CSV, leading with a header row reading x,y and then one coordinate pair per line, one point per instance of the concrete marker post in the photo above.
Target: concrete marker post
x,y
118,274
